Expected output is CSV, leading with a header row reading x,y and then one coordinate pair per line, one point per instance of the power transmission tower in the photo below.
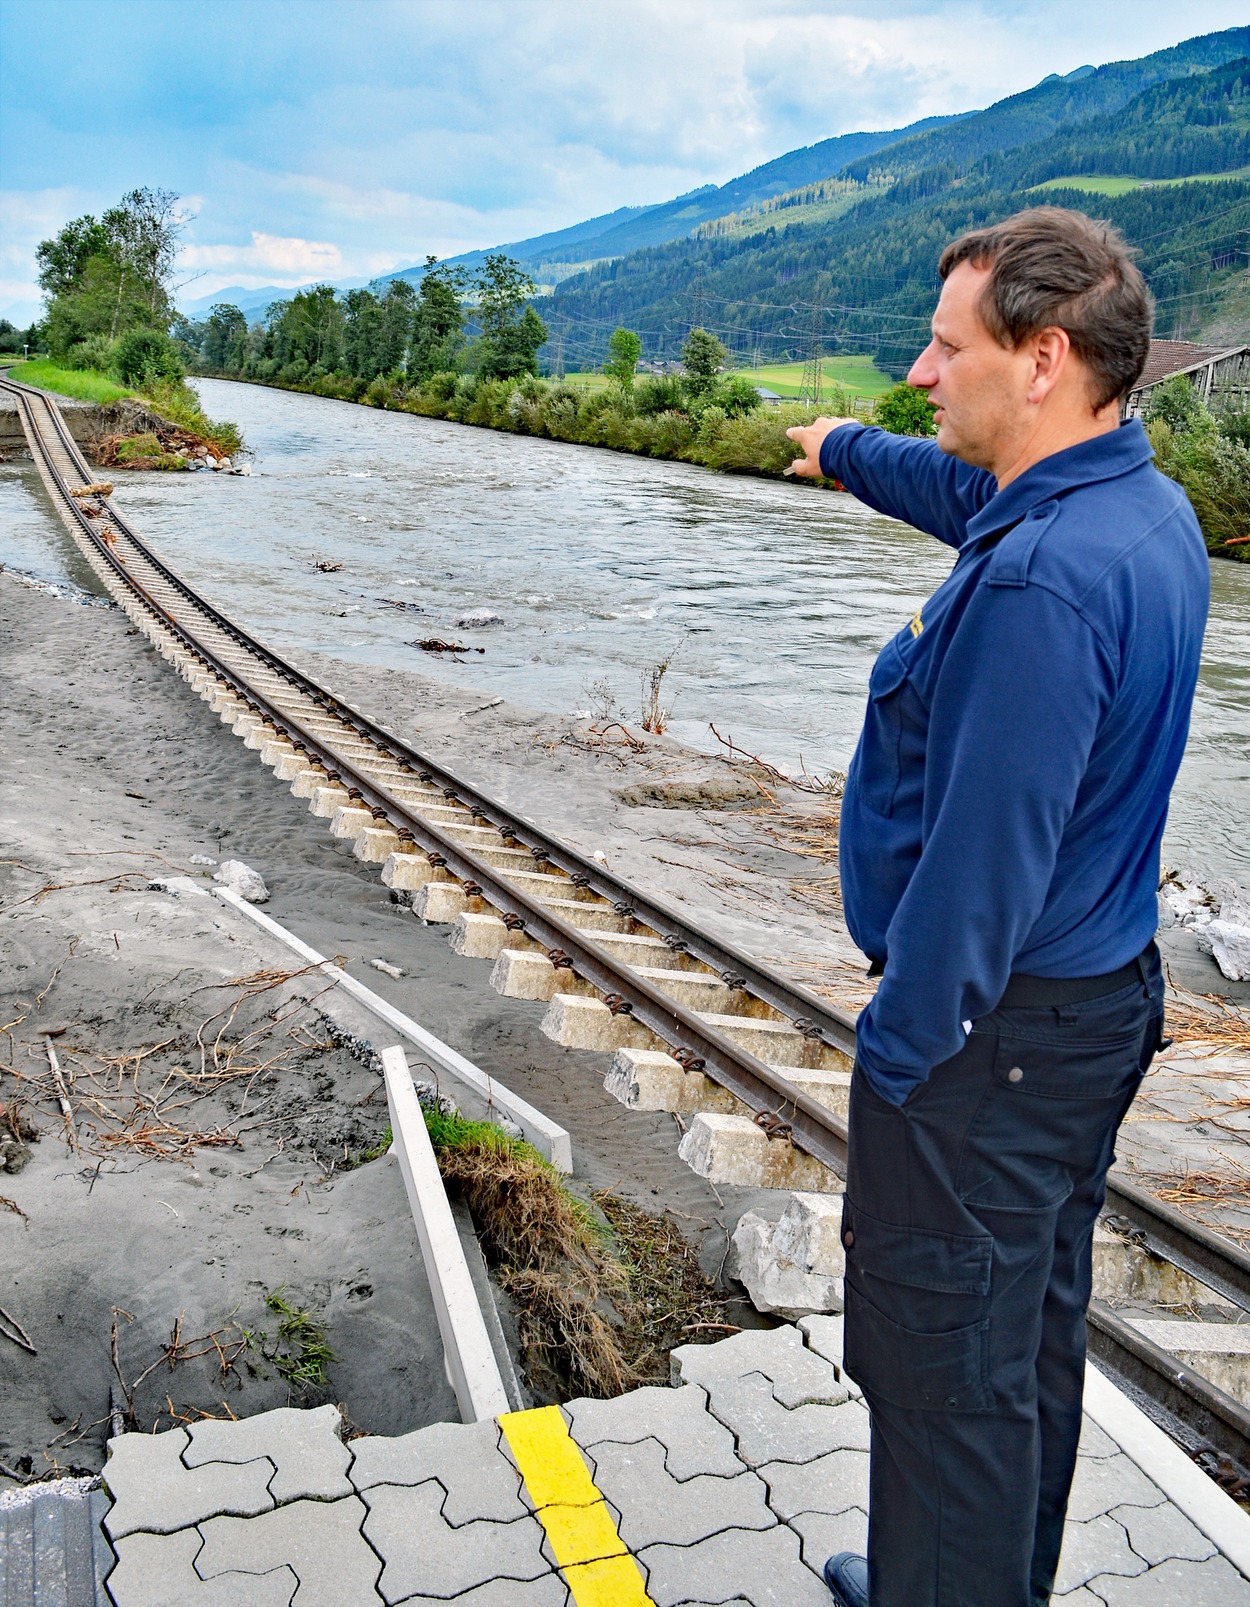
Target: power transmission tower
x,y
696,301
813,367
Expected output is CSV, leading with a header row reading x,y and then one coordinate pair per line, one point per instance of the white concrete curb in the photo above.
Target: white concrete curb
x,y
471,1364
548,1137
1202,1501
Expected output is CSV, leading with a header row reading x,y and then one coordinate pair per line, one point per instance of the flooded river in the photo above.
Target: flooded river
x,y
771,599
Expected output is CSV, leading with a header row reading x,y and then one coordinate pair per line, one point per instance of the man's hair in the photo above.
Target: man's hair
x,y
1051,268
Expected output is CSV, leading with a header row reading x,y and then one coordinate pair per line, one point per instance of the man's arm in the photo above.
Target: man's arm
x,y
903,476
1021,694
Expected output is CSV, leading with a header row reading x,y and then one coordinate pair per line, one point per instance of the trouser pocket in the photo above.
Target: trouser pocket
x,y
917,1314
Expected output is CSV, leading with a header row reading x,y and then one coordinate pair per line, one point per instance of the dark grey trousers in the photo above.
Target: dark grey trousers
x,y
968,1222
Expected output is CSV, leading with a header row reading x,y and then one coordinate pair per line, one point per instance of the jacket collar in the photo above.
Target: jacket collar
x,y
1105,457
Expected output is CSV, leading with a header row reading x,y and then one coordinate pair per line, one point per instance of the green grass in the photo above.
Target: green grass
x,y
1122,183
859,374
84,384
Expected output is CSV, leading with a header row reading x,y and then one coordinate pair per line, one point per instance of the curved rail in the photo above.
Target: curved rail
x,y
347,745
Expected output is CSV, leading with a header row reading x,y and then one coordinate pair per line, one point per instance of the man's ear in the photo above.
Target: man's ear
x,y
1052,350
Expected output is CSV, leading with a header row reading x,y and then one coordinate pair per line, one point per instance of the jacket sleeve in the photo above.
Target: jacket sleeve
x,y
907,478
1022,691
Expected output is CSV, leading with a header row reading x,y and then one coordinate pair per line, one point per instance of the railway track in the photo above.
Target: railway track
x,y
696,1025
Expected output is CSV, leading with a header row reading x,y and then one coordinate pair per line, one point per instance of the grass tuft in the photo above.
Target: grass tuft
x,y
300,1352
83,384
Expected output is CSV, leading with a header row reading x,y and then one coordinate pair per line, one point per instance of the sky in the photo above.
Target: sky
x,y
337,139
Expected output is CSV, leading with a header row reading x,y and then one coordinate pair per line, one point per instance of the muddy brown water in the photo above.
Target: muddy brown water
x,y
576,569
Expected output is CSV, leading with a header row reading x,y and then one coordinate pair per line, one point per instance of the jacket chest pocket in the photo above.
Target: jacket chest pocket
x,y
878,760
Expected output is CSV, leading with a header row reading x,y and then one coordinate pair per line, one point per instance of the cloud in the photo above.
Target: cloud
x,y
274,254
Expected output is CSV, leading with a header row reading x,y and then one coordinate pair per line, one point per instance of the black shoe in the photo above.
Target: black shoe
x,y
847,1578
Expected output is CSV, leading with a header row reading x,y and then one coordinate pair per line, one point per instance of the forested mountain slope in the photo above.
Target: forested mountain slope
x,y
865,279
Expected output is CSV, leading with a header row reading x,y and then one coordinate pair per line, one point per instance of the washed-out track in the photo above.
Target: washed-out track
x,y
695,1025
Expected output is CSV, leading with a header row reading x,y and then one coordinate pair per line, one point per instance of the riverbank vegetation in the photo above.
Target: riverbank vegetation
x,y
1208,455
109,288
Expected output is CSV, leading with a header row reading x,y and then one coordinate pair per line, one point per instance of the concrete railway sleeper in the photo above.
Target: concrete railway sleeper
x,y
692,1025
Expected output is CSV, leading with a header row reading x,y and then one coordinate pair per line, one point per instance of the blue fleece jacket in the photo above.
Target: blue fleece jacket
x,y
1006,803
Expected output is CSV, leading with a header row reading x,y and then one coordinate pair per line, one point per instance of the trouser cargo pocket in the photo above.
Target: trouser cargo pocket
x,y
938,1359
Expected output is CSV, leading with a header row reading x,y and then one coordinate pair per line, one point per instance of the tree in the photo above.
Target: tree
x,y
702,357
904,410
510,338
437,320
624,350
1177,404
224,335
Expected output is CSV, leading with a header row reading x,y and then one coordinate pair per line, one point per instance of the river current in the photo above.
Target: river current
x,y
770,599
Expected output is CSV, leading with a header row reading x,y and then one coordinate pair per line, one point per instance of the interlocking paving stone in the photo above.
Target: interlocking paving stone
x,y
1098,1547
1177,1584
824,1336
1080,1598
828,1484
1104,1482
823,1534
466,1458
304,1446
1157,1533
550,1591
769,1432
154,1491
424,1554
653,1508
320,1540
798,1375
765,1568
1095,1441
159,1571
696,1443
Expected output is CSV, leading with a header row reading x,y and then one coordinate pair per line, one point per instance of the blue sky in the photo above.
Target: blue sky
x,y
336,140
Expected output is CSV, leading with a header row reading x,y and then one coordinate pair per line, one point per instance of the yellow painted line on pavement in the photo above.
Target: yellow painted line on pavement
x,y
594,1560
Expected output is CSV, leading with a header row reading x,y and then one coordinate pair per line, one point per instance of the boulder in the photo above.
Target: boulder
x,y
243,880
793,1267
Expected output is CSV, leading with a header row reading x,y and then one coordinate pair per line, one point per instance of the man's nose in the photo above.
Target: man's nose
x,y
923,372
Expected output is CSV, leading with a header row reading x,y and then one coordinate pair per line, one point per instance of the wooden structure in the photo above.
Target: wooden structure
x,y
1220,374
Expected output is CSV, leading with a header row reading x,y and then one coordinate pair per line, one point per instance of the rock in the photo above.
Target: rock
x,y
243,468
1229,946
243,880
201,859
386,967
479,617
793,1268
224,463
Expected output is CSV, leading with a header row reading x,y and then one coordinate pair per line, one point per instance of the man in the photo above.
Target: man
x,y
999,849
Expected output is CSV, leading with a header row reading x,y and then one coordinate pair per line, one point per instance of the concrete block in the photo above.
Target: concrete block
x,y
326,800
765,1570
796,1376
276,750
585,917
243,723
1099,1546
828,1087
809,1233
320,1541
480,1481
260,736
306,781
1218,1351
775,1282
289,765
694,1441
480,937
406,871
1213,1584
732,1149
582,1022
830,1484
423,1552
649,1079
349,820
1102,1483
1127,1271
1157,1533
655,1508
777,1043
437,903
698,990
304,1446
525,974
376,843
159,1570
154,1491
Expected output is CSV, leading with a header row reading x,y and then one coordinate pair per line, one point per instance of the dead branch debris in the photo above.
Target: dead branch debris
x,y
829,786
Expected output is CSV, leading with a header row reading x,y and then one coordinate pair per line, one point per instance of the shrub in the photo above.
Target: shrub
x,y
143,356
97,352
736,395
441,387
904,410
1177,404
658,393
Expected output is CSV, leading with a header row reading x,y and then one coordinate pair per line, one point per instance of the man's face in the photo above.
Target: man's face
x,y
977,385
